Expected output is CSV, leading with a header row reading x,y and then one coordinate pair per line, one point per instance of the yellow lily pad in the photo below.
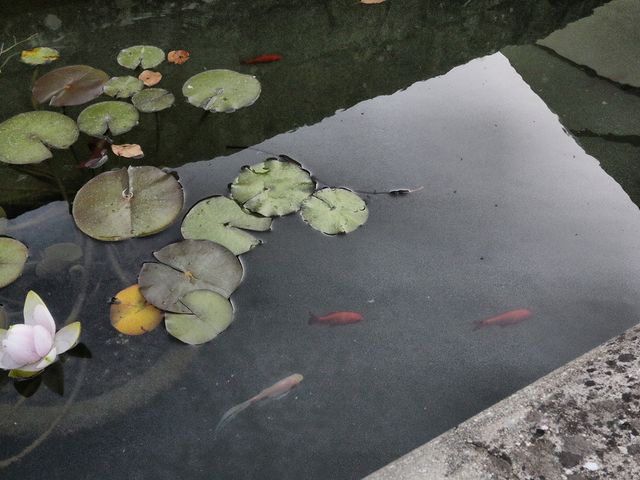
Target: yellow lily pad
x,y
131,314
39,56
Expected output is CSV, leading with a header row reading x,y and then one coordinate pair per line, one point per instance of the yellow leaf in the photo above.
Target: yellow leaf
x,y
150,78
39,55
131,314
128,150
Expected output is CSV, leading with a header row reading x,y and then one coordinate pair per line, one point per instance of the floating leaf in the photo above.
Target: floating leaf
x,y
58,258
117,117
273,187
153,100
178,56
131,314
221,90
67,86
13,255
26,137
123,87
126,203
3,221
187,266
150,78
334,210
39,55
210,314
220,219
146,56
128,150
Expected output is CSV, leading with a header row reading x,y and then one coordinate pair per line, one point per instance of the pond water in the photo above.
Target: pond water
x,y
511,213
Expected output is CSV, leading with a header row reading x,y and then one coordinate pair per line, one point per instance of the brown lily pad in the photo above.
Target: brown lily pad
x,y
73,85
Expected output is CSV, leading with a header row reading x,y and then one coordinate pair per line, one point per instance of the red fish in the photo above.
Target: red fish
x,y
266,58
507,318
336,318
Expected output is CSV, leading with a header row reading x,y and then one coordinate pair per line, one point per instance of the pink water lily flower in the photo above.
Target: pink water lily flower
x,y
27,349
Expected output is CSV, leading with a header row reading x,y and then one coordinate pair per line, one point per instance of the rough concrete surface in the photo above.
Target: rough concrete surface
x,y
580,422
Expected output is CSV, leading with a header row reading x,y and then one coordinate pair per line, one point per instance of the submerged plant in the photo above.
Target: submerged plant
x,y
27,349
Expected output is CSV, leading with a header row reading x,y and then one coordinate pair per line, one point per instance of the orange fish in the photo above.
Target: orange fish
x,y
266,58
507,318
336,318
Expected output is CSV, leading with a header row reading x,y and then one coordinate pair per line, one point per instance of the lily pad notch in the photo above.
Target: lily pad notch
x,y
221,90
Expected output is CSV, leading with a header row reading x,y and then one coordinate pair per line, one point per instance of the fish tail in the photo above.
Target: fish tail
x,y
313,319
478,324
230,415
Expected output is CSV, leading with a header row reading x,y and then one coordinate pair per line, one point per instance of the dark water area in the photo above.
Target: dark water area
x,y
513,214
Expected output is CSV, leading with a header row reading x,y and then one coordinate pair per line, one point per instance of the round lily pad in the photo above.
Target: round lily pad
x,y
210,314
123,87
220,220
146,56
26,137
57,259
334,210
221,90
13,255
153,100
187,266
73,85
126,203
272,188
39,55
117,117
131,314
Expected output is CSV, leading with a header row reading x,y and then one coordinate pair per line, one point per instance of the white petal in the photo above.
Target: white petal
x,y
41,364
36,313
8,363
19,344
67,337
42,340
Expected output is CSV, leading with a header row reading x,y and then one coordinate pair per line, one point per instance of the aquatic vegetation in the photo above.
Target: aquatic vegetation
x,y
39,56
153,100
27,349
336,318
187,266
128,150
272,188
26,138
114,116
131,314
334,210
58,258
126,203
221,90
266,58
146,56
150,78
13,255
178,56
4,49
123,87
3,221
66,86
210,314
221,220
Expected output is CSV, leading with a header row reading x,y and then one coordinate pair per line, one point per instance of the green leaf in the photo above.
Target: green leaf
x,y
221,90
13,255
146,56
126,203
334,210
66,86
272,188
187,266
211,314
220,219
123,87
26,138
153,100
117,117
57,259
39,56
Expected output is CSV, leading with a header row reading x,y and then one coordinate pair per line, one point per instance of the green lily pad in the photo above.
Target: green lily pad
x,y
187,266
57,259
146,56
123,87
4,223
334,210
153,100
220,220
272,188
211,314
117,117
26,138
39,56
221,90
126,203
73,85
13,255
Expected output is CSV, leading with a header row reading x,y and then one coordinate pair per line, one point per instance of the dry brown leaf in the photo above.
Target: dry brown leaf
x,y
178,56
128,150
150,78
371,2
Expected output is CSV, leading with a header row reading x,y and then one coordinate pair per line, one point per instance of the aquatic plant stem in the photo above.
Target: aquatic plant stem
x,y
4,50
157,116
61,187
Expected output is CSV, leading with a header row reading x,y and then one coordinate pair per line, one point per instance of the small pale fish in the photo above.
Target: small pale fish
x,y
336,318
274,392
511,317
